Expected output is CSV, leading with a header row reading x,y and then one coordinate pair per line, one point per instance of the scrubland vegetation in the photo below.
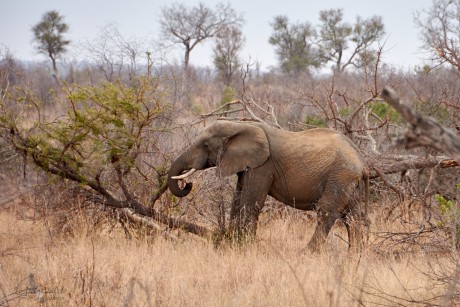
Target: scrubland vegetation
x,y
86,217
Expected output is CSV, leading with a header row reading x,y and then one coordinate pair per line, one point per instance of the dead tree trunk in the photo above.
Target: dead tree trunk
x,y
424,131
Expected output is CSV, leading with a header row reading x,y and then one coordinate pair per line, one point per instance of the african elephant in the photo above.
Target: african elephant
x,y
318,169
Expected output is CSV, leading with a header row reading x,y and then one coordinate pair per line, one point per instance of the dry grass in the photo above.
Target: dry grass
x,y
105,269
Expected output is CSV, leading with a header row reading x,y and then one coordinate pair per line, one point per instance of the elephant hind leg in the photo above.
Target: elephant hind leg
x,y
355,221
333,205
354,233
355,225
325,222
235,217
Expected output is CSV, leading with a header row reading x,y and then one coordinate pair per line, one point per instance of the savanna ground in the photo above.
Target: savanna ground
x,y
98,267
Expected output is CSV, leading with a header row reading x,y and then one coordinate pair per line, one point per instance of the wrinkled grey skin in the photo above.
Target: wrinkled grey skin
x,y
317,169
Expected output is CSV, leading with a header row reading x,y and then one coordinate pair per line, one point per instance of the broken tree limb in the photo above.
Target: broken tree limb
x,y
424,131
135,211
397,164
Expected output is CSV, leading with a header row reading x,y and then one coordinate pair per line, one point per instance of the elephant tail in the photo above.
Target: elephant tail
x,y
366,195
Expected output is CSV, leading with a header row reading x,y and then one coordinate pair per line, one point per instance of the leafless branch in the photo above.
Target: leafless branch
x,y
249,106
386,182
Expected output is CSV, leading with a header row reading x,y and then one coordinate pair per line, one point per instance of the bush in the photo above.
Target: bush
x,y
104,139
315,121
228,95
450,212
384,110
437,111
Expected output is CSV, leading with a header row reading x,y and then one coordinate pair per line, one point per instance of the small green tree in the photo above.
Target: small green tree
x,y
49,36
102,142
294,45
384,110
450,212
314,121
228,95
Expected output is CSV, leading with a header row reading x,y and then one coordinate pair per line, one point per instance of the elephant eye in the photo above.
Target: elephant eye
x,y
206,146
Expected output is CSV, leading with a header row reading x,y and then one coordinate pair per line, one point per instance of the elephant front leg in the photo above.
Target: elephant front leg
x,y
248,200
235,220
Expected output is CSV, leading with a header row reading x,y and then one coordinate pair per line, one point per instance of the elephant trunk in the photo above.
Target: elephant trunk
x,y
177,167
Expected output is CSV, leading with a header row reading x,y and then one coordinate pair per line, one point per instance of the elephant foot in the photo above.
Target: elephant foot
x,y
241,235
356,235
232,236
314,246
318,240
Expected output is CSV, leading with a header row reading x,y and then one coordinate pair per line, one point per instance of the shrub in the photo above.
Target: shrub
x,y
450,212
228,95
437,111
315,121
384,110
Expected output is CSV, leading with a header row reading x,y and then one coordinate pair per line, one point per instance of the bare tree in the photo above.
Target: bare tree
x,y
190,26
336,36
48,34
440,32
115,55
228,44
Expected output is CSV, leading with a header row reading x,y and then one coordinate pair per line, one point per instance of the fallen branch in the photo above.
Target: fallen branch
x,y
392,165
137,212
424,131
146,221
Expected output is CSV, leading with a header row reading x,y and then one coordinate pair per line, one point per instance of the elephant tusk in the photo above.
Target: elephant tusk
x,y
183,176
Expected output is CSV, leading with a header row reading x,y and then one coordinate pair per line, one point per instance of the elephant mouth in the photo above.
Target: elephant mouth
x,y
182,179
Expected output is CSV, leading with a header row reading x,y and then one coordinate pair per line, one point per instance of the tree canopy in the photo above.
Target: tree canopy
x,y
226,50
293,44
300,47
337,36
49,36
439,32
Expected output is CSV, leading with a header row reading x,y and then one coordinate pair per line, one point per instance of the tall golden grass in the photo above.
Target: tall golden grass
x,y
95,267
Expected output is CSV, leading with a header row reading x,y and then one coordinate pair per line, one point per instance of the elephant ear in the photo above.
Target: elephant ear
x,y
247,147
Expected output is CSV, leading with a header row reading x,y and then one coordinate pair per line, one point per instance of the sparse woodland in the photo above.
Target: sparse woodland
x,y
86,217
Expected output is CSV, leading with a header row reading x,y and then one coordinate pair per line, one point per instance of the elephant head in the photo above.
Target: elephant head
x,y
231,147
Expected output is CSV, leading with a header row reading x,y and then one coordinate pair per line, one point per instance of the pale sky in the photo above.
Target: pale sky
x,y
140,19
